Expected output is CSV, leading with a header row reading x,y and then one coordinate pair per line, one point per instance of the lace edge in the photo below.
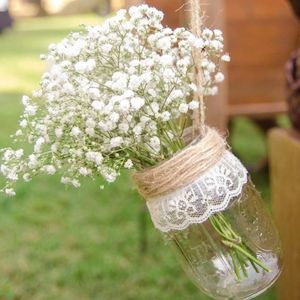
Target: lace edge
x,y
201,219
166,227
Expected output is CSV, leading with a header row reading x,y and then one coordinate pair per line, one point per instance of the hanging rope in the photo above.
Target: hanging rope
x,y
196,28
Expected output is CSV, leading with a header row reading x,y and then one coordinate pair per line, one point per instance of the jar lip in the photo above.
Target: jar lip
x,y
194,203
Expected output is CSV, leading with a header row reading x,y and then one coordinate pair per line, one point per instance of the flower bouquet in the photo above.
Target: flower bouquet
x,y
120,95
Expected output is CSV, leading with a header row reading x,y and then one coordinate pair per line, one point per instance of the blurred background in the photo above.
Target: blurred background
x,y
67,244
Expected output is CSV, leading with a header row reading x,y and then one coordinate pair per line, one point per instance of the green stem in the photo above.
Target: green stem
x,y
246,253
235,264
242,263
218,227
240,253
252,263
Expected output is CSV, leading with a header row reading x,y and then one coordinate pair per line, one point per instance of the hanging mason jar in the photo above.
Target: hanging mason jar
x,y
220,229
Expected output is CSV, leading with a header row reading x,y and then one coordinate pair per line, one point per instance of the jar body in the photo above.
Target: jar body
x,y
210,262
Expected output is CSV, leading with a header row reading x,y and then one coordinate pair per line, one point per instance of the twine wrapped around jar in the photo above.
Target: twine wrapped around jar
x,y
183,168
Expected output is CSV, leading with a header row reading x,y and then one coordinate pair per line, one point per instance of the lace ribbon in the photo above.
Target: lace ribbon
x,y
197,201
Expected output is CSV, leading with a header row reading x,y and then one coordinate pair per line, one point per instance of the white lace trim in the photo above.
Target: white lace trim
x,y
196,202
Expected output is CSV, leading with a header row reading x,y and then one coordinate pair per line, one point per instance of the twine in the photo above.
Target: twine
x,y
183,168
196,28
200,155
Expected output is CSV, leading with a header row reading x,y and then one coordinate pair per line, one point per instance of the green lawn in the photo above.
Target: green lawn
x,y
59,244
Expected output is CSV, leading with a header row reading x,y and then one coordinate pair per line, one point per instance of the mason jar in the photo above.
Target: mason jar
x,y
221,231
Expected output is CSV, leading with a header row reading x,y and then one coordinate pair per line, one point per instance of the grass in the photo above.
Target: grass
x,y
58,244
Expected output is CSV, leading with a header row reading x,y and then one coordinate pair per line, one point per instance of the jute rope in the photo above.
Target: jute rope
x,y
196,28
201,154
182,168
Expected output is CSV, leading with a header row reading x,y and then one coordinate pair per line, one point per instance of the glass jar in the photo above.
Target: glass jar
x,y
222,232
209,262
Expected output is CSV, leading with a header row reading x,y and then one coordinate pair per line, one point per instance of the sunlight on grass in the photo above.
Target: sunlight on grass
x,y
57,23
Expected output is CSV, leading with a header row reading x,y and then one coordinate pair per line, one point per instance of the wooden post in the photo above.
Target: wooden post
x,y
129,3
284,148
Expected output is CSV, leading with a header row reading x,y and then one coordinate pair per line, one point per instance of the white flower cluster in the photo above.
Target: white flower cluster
x,y
114,96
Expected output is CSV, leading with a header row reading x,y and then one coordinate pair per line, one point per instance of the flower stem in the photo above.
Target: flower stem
x,y
244,251
240,253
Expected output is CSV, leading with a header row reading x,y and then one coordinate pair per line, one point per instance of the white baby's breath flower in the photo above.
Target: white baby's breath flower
x,y
72,51
106,48
90,131
128,164
217,32
123,127
116,142
128,94
37,93
169,74
216,45
144,119
154,106
58,132
134,82
219,77
4,170
75,131
137,102
84,171
109,175
164,43
90,123
212,91
183,108
38,144
166,60
94,93
19,132
30,110
137,130
211,67
112,95
49,169
7,155
198,43
114,117
97,105
193,86
65,180
155,143
225,58
33,162
207,33
25,100
19,153
152,92
95,157
124,105
10,192
193,104
165,116
75,183
90,64
54,148
80,67
26,177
